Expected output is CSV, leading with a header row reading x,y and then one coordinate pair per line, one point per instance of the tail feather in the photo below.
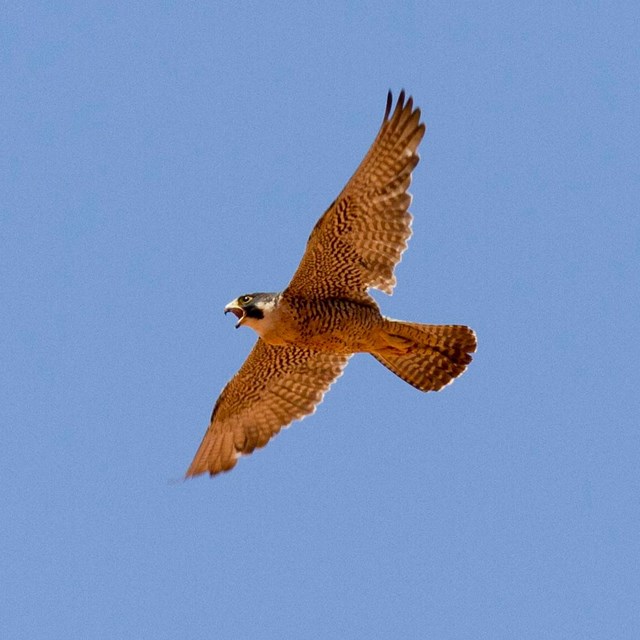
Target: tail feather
x,y
426,356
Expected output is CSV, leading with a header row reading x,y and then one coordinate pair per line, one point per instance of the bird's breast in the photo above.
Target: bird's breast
x,y
336,325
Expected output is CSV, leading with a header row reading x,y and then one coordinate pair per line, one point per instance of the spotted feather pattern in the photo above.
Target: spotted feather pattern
x,y
275,386
361,237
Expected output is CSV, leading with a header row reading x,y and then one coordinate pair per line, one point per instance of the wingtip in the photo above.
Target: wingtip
x,y
192,472
401,105
387,110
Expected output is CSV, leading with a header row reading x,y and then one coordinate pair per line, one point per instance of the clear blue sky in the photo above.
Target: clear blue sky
x,y
160,159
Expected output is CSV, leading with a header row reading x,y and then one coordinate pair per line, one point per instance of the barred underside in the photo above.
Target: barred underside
x,y
354,246
434,355
361,237
275,386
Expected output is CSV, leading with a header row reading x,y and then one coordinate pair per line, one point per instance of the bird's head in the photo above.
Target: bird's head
x,y
252,308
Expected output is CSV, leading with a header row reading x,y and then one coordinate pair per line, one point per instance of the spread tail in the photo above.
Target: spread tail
x,y
426,356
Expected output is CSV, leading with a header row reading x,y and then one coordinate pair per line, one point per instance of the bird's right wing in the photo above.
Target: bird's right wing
x,y
275,386
359,240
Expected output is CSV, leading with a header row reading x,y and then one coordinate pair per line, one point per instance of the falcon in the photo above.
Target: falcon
x,y
308,332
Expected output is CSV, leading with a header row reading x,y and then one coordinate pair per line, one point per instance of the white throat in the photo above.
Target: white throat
x,y
265,325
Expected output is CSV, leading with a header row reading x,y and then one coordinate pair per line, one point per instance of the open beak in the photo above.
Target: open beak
x,y
237,311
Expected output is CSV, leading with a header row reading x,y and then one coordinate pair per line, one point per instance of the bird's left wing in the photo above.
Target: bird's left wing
x,y
360,238
275,386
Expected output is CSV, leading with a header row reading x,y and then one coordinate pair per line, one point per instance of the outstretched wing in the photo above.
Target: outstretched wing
x,y
274,386
359,240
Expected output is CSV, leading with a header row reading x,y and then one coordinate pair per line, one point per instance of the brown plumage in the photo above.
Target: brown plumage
x,y
308,332
358,241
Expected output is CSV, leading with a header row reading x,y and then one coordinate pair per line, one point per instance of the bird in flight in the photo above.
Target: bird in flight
x,y
308,332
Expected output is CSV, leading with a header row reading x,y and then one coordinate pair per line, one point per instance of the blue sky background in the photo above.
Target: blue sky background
x,y
162,158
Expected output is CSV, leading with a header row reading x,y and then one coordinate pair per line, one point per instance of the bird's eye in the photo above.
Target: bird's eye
x,y
246,299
